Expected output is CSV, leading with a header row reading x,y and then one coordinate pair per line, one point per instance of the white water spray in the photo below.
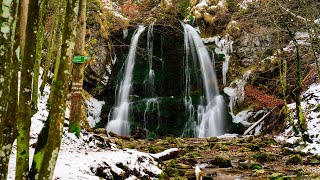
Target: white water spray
x,y
119,122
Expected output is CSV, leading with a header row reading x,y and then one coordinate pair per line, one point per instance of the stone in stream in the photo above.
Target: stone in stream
x,y
294,159
222,161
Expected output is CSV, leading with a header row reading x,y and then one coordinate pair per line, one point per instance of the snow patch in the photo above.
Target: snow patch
x,y
94,107
310,101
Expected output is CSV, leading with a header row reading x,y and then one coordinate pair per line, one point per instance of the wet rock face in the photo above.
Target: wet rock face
x,y
98,69
167,64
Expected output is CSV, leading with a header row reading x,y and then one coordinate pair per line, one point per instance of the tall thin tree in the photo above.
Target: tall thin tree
x,y
8,18
24,117
78,74
49,139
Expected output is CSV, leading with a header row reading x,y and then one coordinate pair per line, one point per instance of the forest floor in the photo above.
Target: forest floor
x,y
230,158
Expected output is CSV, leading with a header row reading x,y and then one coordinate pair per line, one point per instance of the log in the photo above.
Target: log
x,y
167,154
258,122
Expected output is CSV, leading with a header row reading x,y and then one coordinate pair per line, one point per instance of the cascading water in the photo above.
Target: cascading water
x,y
210,112
119,120
149,82
151,106
190,126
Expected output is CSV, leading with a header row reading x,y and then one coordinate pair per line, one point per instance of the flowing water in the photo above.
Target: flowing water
x,y
152,105
119,120
149,82
210,112
204,114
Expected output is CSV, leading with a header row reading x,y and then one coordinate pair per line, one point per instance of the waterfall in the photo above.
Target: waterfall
x,y
119,120
210,112
190,125
149,82
151,106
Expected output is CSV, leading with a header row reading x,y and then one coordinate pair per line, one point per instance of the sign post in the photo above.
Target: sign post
x,y
80,59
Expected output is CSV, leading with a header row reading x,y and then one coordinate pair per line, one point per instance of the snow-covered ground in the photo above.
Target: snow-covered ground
x,y
310,104
81,158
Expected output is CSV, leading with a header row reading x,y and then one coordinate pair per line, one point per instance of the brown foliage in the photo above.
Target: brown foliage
x,y
261,98
129,9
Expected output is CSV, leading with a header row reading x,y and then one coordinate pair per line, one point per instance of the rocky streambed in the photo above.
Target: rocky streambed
x,y
228,158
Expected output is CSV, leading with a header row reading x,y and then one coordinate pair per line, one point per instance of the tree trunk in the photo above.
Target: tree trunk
x,y
283,81
58,56
8,26
10,130
77,74
299,112
24,119
40,40
49,140
23,16
57,18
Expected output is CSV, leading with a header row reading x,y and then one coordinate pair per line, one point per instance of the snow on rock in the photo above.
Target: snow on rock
x,y
124,164
242,117
167,154
236,94
310,105
93,110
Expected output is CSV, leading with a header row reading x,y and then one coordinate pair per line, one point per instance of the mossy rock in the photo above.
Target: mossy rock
x,y
224,148
163,176
294,159
262,145
222,161
155,149
100,131
193,155
269,141
287,151
249,139
253,147
213,139
183,166
264,157
255,165
190,148
314,159
279,176
243,149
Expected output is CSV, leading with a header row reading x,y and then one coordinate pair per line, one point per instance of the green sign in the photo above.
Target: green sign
x,y
80,59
